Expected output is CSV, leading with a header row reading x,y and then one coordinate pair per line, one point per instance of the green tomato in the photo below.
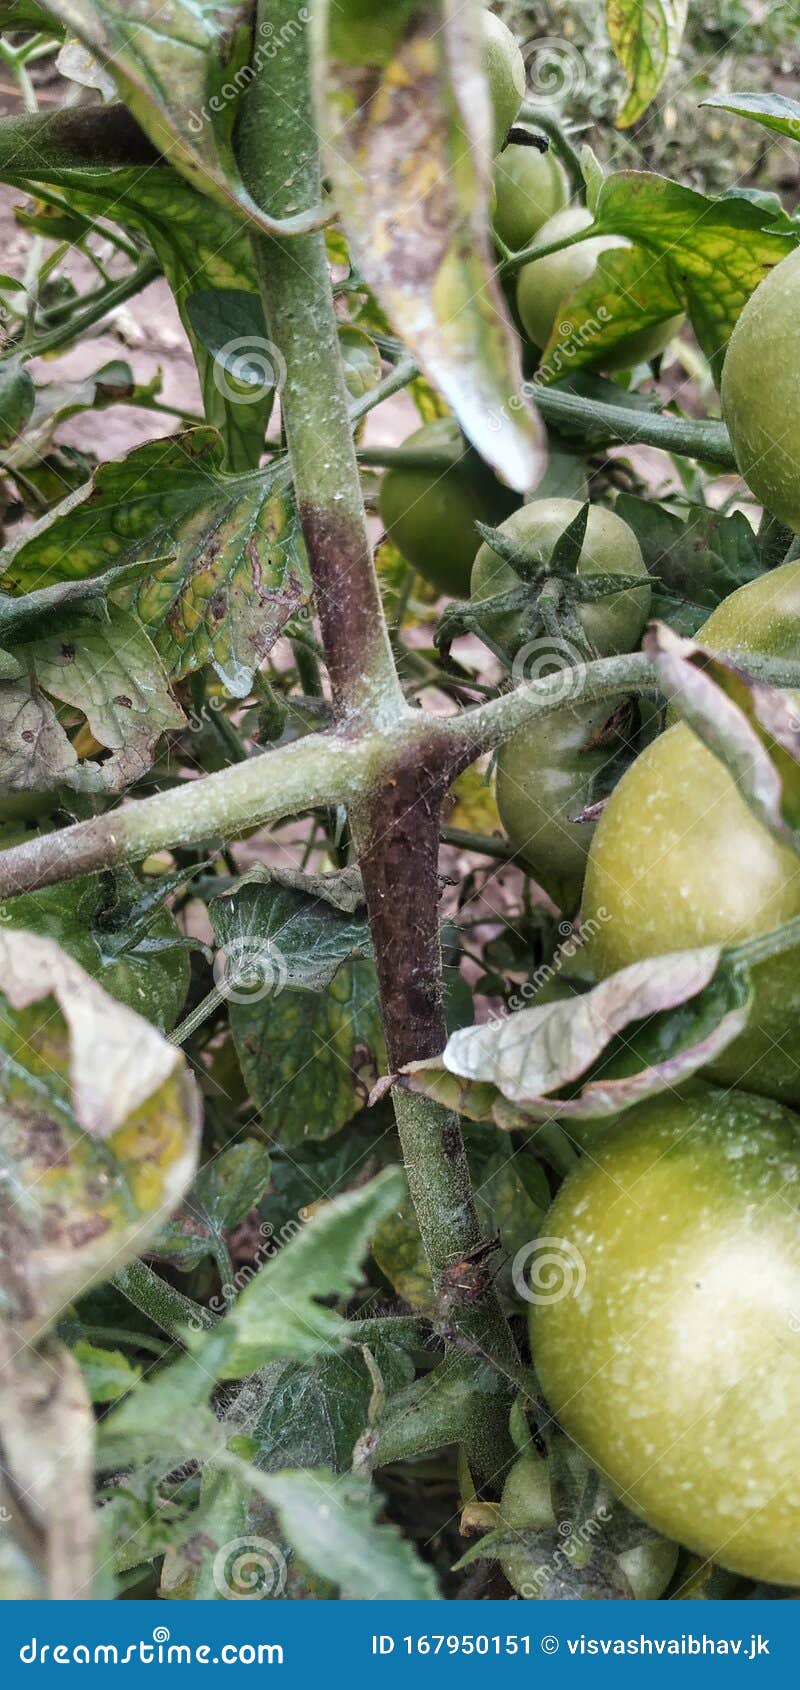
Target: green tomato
x,y
547,774
530,187
759,391
672,1353
505,69
152,977
646,1564
679,859
545,286
430,514
610,547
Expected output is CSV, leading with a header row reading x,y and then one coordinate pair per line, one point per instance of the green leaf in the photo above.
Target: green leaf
x,y
435,1410
313,1416
330,1520
275,936
25,14
133,949
696,561
361,359
107,1374
17,398
236,556
181,74
414,89
309,1059
225,1190
97,1148
646,36
640,1032
200,248
774,111
400,1254
703,255
752,728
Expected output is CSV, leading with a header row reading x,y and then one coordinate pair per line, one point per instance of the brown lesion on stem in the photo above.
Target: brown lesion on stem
x,y
348,602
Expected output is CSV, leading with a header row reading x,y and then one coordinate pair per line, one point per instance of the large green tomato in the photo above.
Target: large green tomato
x,y
646,1563
546,283
547,774
505,69
669,1349
530,187
430,514
679,859
760,382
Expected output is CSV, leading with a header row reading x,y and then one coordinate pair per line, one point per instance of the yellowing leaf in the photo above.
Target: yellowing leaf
x,y
646,36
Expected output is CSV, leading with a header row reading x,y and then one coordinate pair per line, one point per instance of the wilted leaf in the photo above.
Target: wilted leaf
x,y
236,554
225,1190
180,72
406,109
705,255
47,1440
646,36
754,729
330,1520
35,752
99,1131
641,1031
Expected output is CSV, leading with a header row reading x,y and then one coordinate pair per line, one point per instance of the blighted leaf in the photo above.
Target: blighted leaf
x,y
57,401
689,252
640,1032
225,1190
35,753
77,64
107,667
754,729
107,1374
99,1131
236,557
330,1520
47,1438
405,109
313,1415
775,111
124,937
646,36
17,397
310,1058
180,72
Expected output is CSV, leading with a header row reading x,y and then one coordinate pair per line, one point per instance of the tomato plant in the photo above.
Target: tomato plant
x,y
399,806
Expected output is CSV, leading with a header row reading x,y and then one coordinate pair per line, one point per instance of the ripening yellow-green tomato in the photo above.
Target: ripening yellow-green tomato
x,y
670,1347
760,380
505,68
530,187
545,285
679,859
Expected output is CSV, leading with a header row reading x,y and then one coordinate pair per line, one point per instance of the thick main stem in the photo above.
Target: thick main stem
x,y
395,828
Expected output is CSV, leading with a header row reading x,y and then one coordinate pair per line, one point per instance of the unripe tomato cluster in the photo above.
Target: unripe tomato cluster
x,y
675,1365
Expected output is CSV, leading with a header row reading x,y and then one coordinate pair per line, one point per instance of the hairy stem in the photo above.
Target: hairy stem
x,y
395,826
